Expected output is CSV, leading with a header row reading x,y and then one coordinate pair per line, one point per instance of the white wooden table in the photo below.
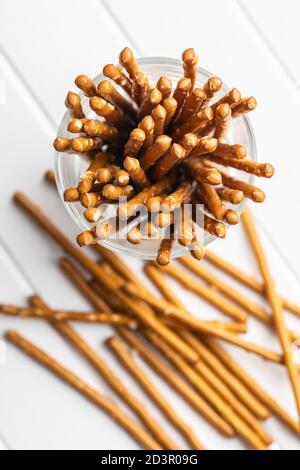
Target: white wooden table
x,y
43,45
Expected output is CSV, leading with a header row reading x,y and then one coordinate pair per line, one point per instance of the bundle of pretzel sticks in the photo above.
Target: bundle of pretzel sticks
x,y
182,349
159,145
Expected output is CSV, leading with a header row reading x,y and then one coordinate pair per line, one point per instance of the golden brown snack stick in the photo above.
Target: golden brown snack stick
x,y
50,177
164,85
230,151
111,191
244,106
232,217
126,359
153,98
185,229
86,84
134,235
139,88
84,144
92,214
197,250
164,252
89,176
153,203
190,61
164,219
275,304
204,145
71,195
188,142
155,152
136,173
232,97
175,381
265,170
91,199
208,392
121,177
212,200
192,105
234,196
135,142
117,76
214,227
107,91
61,144
87,237
170,105
172,157
128,209
159,115
250,191
247,280
134,429
112,115
212,86
127,60
76,125
251,384
195,123
178,196
201,173
181,93
102,129
222,120
105,174
62,315
147,125
73,103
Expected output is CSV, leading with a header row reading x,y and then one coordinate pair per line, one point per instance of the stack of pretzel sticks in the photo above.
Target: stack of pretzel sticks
x,y
202,372
159,145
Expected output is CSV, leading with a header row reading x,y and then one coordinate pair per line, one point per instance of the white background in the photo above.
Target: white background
x,y
251,44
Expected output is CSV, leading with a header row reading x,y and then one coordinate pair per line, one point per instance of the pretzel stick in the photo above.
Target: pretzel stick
x,y
212,200
105,175
164,85
190,61
147,125
153,98
195,123
75,125
50,177
107,91
62,315
125,358
88,178
36,213
230,151
73,103
177,197
250,191
212,86
84,144
136,173
155,152
181,92
164,252
170,105
203,174
112,115
133,428
153,203
189,142
208,392
101,129
229,379
135,142
265,170
247,280
232,97
204,145
176,382
113,192
159,115
233,196
91,199
251,385
134,235
244,106
192,105
214,227
164,219
139,88
172,157
275,304
127,60
121,177
115,74
71,195
222,120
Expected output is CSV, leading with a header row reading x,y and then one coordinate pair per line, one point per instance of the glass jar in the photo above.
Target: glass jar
x,y
69,168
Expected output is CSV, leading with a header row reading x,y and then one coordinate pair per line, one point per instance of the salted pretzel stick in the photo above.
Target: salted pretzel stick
x,y
106,174
164,219
84,144
185,227
50,177
172,157
164,85
147,125
251,384
232,97
107,91
164,252
247,280
175,381
275,304
126,359
244,106
102,129
86,84
222,120
212,200
87,237
127,60
159,115
73,103
190,61
195,123
181,92
189,142
265,170
203,174
75,125
208,392
71,194
153,203
233,196
135,142
178,196
88,178
62,315
121,177
204,145
212,86
128,209
133,428
229,379
250,191
112,115
170,105
92,199
153,98
155,152
134,235
110,191
230,151
136,173
115,74
192,105
61,144
214,227
139,87
36,213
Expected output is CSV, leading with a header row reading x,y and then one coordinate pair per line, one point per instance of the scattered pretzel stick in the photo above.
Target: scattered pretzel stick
x,y
134,429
